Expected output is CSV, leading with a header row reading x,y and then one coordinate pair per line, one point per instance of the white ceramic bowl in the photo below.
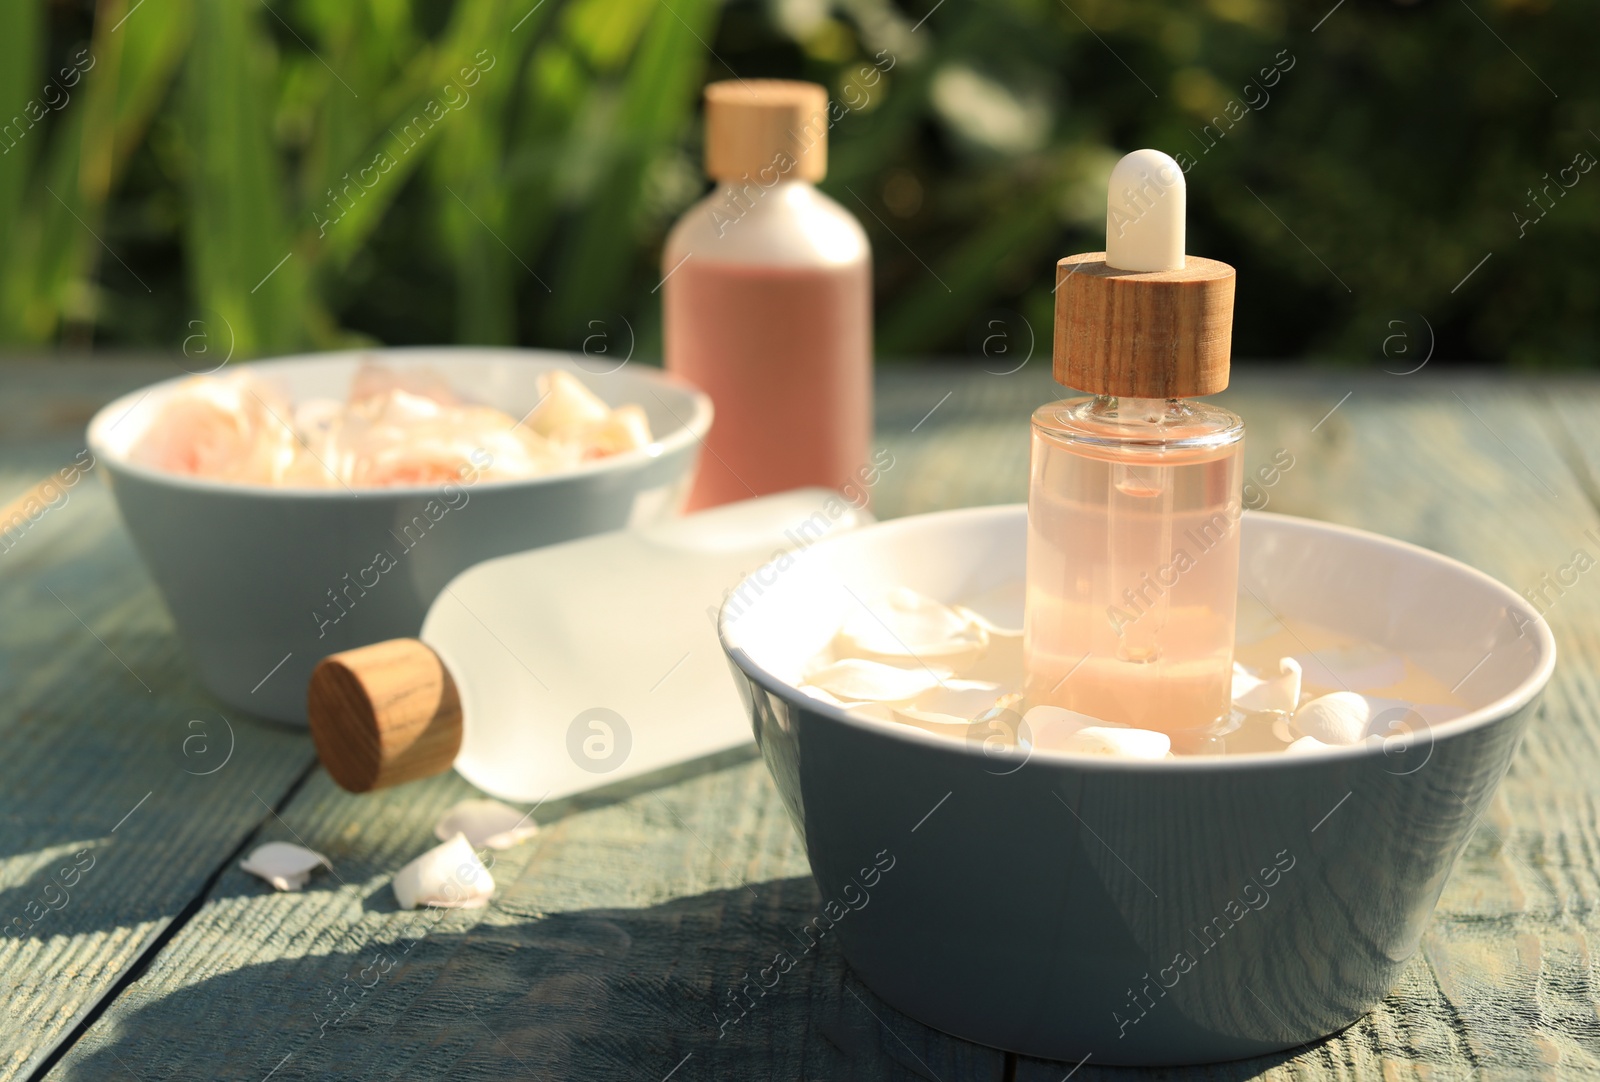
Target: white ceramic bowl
x,y
255,577
1181,911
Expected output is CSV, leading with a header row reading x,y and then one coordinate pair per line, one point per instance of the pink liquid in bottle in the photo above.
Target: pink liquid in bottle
x,y
785,354
1133,561
767,301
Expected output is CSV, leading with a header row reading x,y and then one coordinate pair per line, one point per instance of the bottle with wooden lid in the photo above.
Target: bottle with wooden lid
x,y
767,300
1134,489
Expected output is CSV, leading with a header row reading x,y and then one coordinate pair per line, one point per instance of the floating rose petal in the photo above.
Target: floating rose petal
x,y
285,866
1109,740
999,607
870,711
907,625
1339,718
965,699
486,823
1054,726
1279,693
449,876
954,703
823,696
994,630
858,680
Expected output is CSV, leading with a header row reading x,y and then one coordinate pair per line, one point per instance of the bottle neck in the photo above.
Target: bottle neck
x,y
1109,420
751,183
1129,410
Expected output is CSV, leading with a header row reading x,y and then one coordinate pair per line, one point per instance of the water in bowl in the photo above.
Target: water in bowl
x,y
957,670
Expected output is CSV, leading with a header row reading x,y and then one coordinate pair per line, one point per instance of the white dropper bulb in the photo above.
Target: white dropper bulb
x,y
1145,213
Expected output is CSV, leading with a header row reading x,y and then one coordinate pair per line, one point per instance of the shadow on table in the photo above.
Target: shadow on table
x,y
668,990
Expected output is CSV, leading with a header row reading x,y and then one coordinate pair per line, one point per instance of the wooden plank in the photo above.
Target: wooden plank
x,y
617,936
614,943
94,778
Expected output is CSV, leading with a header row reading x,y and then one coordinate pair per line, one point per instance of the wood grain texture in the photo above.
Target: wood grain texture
x,y
1146,334
620,939
754,125
123,786
384,714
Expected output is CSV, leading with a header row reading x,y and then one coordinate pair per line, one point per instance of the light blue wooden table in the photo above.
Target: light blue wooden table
x,y
616,933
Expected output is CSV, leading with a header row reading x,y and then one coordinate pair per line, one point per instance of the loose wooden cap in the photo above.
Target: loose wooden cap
x,y
775,125
1150,334
384,714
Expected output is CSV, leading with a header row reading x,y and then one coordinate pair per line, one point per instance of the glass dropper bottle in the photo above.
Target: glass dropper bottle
x,y
1133,496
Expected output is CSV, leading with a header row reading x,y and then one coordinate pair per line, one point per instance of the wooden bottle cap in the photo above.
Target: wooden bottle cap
x,y
776,125
384,714
1143,334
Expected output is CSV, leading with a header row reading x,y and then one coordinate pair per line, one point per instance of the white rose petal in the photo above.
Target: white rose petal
x,y
961,698
1339,718
870,711
1305,744
822,696
1109,740
907,625
1280,693
486,823
994,630
449,876
567,408
1048,726
954,703
285,866
948,724
858,680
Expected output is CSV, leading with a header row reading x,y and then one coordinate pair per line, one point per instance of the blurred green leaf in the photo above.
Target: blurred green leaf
x,y
240,245
211,140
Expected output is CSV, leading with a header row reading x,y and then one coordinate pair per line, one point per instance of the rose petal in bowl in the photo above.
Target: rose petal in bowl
x,y
1337,718
905,624
860,680
1253,693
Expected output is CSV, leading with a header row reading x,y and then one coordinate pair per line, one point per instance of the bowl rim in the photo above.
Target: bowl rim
x,y
1482,717
692,430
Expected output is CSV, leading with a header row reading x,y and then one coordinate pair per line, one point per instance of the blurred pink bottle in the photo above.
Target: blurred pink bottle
x,y
767,301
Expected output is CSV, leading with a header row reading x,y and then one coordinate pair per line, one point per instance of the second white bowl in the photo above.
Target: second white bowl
x,y
264,582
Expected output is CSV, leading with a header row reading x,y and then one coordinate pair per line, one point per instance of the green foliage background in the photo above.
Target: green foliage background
x,y
210,141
